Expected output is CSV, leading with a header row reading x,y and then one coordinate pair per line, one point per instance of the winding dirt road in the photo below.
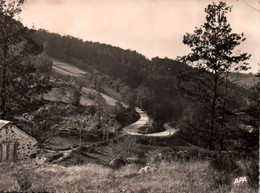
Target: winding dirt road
x,y
67,69
133,128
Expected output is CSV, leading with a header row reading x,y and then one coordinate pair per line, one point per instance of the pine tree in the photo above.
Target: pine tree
x,y
213,57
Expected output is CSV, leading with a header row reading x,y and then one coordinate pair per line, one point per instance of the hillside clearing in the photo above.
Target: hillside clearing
x,y
67,69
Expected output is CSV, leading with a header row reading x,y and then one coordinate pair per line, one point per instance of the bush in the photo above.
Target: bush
x,y
149,129
227,167
218,179
122,148
154,157
250,168
224,162
23,178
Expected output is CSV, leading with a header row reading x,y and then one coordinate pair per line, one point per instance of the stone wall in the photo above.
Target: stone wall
x,y
26,146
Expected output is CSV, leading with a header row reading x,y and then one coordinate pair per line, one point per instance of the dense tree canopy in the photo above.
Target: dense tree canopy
x,y
20,82
118,63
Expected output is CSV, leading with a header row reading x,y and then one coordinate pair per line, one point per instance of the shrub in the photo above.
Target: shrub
x,y
23,179
224,162
146,130
227,167
250,168
219,179
122,148
154,157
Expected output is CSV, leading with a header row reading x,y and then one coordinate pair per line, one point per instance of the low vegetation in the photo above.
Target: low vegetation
x,y
150,129
166,175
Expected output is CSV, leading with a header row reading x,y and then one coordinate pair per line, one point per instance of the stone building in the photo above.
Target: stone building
x,y
15,144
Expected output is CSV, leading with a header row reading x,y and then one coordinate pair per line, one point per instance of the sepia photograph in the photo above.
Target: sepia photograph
x,y
134,96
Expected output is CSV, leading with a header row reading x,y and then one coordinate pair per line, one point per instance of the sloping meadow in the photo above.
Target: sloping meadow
x,y
191,176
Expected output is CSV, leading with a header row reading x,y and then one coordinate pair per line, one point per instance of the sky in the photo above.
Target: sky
x,y
151,27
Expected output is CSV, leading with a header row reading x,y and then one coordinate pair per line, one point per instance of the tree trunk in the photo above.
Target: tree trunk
x,y
213,113
223,119
3,85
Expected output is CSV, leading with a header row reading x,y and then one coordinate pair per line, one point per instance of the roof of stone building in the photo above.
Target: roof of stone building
x,y
3,123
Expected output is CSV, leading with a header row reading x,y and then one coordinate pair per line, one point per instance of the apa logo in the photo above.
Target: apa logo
x,y
240,180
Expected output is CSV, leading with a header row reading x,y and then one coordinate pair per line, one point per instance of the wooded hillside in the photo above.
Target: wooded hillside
x,y
150,84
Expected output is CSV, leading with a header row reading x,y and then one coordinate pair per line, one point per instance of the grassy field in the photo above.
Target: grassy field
x,y
169,172
62,93
60,142
67,69
112,93
193,176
